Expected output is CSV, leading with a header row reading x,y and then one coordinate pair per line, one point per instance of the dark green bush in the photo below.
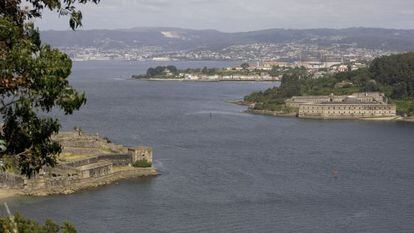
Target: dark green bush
x,y
25,225
142,163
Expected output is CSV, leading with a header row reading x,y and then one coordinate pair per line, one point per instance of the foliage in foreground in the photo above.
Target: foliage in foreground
x,y
33,81
25,225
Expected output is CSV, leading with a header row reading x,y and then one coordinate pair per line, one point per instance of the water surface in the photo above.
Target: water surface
x,y
233,172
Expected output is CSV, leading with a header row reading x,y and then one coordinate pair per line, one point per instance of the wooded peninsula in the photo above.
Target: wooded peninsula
x,y
392,75
242,73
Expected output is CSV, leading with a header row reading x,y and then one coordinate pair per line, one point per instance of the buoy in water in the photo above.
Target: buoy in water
x,y
334,173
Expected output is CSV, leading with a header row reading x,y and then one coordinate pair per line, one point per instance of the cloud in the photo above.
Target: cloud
x,y
242,15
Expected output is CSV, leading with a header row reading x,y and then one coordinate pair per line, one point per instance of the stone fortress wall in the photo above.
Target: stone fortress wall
x,y
364,97
103,162
347,111
371,105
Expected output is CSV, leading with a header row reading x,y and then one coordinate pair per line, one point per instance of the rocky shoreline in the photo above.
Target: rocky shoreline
x,y
262,112
271,113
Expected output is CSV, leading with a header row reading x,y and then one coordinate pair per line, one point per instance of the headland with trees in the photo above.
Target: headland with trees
x,y
392,75
240,73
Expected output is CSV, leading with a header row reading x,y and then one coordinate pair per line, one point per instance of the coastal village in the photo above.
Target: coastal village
x,y
291,52
86,161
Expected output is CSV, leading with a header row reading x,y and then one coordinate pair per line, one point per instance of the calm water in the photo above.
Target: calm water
x,y
233,172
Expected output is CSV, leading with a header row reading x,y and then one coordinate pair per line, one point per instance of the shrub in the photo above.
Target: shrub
x,y
25,225
405,106
142,163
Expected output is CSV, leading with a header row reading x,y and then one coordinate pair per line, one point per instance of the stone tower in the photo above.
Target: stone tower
x,y
140,153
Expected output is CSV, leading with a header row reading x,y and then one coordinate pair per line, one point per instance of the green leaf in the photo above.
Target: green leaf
x,y
2,146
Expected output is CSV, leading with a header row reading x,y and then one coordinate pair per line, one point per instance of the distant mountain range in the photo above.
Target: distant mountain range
x,y
187,39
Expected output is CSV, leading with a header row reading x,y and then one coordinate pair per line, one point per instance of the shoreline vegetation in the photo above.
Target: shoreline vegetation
x,y
392,75
86,162
242,73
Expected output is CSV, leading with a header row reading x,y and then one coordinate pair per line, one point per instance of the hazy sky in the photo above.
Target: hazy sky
x,y
241,15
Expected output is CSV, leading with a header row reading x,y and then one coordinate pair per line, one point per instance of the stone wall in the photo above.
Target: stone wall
x,y
46,184
141,153
98,169
8,180
370,96
116,159
347,111
64,185
97,156
363,97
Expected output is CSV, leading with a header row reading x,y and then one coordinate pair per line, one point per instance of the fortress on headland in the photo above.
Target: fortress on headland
x,y
86,161
364,105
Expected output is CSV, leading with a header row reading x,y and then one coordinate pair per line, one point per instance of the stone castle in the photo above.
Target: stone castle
x,y
367,105
86,161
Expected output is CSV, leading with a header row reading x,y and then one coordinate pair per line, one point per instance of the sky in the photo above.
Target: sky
x,y
240,15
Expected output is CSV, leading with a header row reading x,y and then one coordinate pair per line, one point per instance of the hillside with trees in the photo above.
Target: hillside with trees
x,y
396,71
393,75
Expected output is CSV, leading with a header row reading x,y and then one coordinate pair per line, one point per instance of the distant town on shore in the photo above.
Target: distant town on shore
x,y
283,45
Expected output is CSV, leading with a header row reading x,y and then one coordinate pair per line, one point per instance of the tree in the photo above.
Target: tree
x,y
275,71
399,90
172,69
395,70
244,66
159,70
25,225
150,72
290,85
33,81
370,86
204,70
